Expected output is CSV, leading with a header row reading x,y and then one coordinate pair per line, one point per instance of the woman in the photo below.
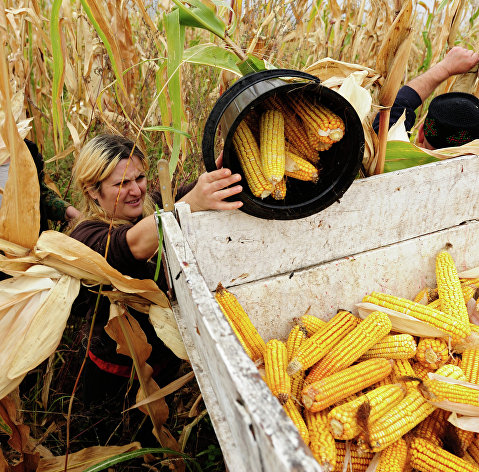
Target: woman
x,y
103,166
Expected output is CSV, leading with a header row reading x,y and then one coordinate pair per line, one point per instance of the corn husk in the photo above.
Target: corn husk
x,y
402,323
467,423
469,274
373,465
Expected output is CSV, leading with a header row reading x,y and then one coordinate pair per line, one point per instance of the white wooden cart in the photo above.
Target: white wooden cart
x,y
382,235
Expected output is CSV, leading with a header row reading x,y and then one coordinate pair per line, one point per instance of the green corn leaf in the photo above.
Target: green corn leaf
x,y
166,128
175,39
58,70
5,428
212,55
200,16
251,64
127,456
402,154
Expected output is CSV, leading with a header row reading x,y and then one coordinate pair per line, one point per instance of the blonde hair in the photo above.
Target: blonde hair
x,y
94,164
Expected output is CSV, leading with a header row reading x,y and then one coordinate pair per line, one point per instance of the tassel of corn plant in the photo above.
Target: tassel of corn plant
x,y
249,157
322,443
272,146
311,323
427,457
396,346
394,458
432,353
456,329
235,312
449,288
299,168
345,421
369,331
275,362
295,416
357,460
320,343
327,391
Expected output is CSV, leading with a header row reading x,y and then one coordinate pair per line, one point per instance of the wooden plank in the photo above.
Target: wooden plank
x,y
401,269
260,435
235,248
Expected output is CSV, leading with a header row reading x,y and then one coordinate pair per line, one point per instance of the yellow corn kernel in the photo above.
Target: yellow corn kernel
x,y
433,427
452,371
473,448
321,441
279,190
299,168
327,391
271,145
402,371
470,365
296,337
343,419
233,310
297,419
437,391
456,329
358,460
394,346
427,457
320,343
249,157
420,371
311,323
394,457
369,331
449,288
275,361
432,353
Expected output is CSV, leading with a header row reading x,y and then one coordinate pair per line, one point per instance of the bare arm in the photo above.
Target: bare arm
x,y
457,61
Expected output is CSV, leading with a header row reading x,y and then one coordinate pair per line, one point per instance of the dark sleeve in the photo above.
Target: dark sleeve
x,y
182,191
407,99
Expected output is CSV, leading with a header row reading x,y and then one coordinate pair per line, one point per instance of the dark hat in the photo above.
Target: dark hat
x,y
452,120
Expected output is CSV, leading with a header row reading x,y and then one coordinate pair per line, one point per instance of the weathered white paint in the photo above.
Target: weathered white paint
x,y
254,432
235,248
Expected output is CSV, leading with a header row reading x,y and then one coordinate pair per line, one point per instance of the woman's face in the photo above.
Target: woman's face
x,y
132,194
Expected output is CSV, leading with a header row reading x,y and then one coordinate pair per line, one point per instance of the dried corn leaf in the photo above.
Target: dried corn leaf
x,y
402,323
81,460
327,68
19,432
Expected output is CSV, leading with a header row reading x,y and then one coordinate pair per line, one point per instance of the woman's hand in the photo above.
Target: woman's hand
x,y
210,191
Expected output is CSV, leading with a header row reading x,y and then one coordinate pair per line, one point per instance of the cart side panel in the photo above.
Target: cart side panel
x,y
260,436
236,248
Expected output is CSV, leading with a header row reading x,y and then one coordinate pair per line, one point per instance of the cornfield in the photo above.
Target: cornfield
x,y
152,71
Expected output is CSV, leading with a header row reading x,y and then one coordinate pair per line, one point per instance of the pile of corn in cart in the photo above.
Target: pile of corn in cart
x,y
383,237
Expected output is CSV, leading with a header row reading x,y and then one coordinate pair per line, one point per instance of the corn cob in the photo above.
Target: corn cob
x,y
470,365
358,460
473,448
343,419
322,443
294,131
468,458
311,323
420,371
452,371
279,190
325,125
275,361
396,346
233,310
299,168
296,337
449,288
295,416
352,346
394,457
427,457
437,391
322,143
327,391
432,353
433,427
271,145
315,347
249,157
456,329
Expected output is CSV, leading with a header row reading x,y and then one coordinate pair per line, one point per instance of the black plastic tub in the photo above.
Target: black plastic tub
x,y
338,166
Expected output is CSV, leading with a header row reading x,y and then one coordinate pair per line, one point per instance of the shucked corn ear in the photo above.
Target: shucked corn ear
x,y
279,190
248,154
275,361
299,168
456,329
321,440
357,460
272,145
233,311
438,391
368,332
295,416
449,288
321,342
394,458
327,391
396,346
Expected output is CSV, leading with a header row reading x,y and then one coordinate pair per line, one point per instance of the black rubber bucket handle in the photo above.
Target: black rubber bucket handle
x,y
213,121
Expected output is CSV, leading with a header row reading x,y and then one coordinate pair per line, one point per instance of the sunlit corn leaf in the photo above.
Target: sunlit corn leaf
x,y
200,16
251,64
212,55
87,458
402,154
166,128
